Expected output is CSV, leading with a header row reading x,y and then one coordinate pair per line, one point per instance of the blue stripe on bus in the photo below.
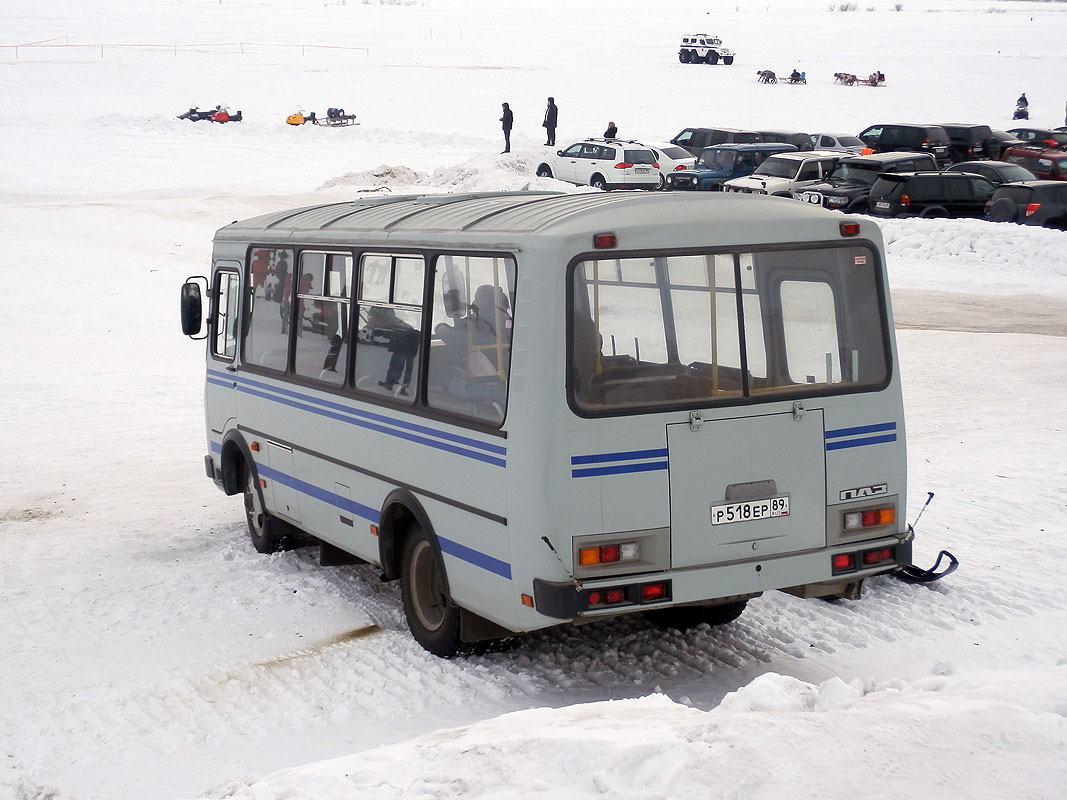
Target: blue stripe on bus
x,y
217,382
475,557
627,456
619,469
488,459
846,443
840,432
460,551
332,498
216,447
452,437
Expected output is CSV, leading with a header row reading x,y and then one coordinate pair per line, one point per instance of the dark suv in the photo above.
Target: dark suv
x,y
696,139
969,142
930,194
847,187
1030,203
895,138
716,165
1045,162
801,141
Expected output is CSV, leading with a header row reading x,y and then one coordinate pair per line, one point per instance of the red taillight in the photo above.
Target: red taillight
x,y
680,167
870,518
614,596
844,562
609,553
1032,208
623,165
653,591
878,556
905,201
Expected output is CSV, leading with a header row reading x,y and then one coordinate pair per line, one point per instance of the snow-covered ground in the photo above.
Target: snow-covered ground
x,y
146,651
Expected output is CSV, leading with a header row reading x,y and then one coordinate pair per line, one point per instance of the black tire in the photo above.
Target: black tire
x,y
933,212
683,56
544,171
1058,224
268,534
432,617
1003,209
685,617
598,182
662,182
712,58
727,60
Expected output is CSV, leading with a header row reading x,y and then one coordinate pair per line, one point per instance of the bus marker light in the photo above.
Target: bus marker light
x,y
527,600
373,530
603,240
850,229
254,447
262,483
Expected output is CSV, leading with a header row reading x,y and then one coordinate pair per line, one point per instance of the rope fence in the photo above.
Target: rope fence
x,y
62,43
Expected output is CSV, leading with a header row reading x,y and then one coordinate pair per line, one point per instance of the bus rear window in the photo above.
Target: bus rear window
x,y
720,328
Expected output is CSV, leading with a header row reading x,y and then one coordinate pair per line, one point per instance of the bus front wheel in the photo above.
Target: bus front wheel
x,y
432,617
685,617
268,534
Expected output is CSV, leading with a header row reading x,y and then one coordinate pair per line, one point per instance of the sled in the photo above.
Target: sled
x,y
340,121
914,574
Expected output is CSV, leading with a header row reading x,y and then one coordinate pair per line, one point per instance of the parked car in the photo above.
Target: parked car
x,y
968,142
1041,137
670,158
716,165
842,142
930,194
1046,163
849,184
895,138
997,172
1031,203
802,141
1005,140
604,164
786,173
696,139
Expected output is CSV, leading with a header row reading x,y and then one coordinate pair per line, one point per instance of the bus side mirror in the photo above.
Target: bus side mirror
x,y
192,308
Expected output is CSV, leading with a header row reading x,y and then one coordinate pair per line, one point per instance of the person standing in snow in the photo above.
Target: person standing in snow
x,y
612,132
507,120
551,115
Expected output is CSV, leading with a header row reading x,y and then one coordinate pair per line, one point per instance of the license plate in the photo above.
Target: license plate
x,y
881,204
750,510
641,170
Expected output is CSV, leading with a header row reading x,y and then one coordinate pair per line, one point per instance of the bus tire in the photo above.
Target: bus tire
x,y
268,534
685,617
432,617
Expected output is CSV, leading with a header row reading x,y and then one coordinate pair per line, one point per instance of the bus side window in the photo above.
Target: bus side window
x,y
224,317
470,351
323,316
267,320
389,327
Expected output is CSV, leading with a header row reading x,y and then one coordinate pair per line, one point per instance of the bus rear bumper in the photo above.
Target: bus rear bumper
x,y
568,600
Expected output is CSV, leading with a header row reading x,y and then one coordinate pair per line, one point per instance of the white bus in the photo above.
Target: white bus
x,y
546,408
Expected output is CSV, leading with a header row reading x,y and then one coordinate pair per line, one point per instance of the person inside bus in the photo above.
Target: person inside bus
x,y
402,344
467,361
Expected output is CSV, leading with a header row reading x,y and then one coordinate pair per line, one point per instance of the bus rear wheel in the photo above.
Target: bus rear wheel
x,y
268,534
432,617
685,617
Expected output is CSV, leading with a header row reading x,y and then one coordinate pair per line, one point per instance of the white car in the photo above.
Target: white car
x,y
671,158
784,173
839,142
604,164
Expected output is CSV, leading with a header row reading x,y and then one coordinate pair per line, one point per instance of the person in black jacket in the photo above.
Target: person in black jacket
x,y
612,132
551,115
508,120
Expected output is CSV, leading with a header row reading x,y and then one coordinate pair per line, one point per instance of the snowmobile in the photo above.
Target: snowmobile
x,y
1021,112
216,114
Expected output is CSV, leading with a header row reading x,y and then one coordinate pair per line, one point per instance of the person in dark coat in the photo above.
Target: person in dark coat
x,y
507,120
551,115
612,132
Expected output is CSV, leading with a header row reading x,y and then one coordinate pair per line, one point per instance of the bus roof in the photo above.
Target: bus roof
x,y
517,214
